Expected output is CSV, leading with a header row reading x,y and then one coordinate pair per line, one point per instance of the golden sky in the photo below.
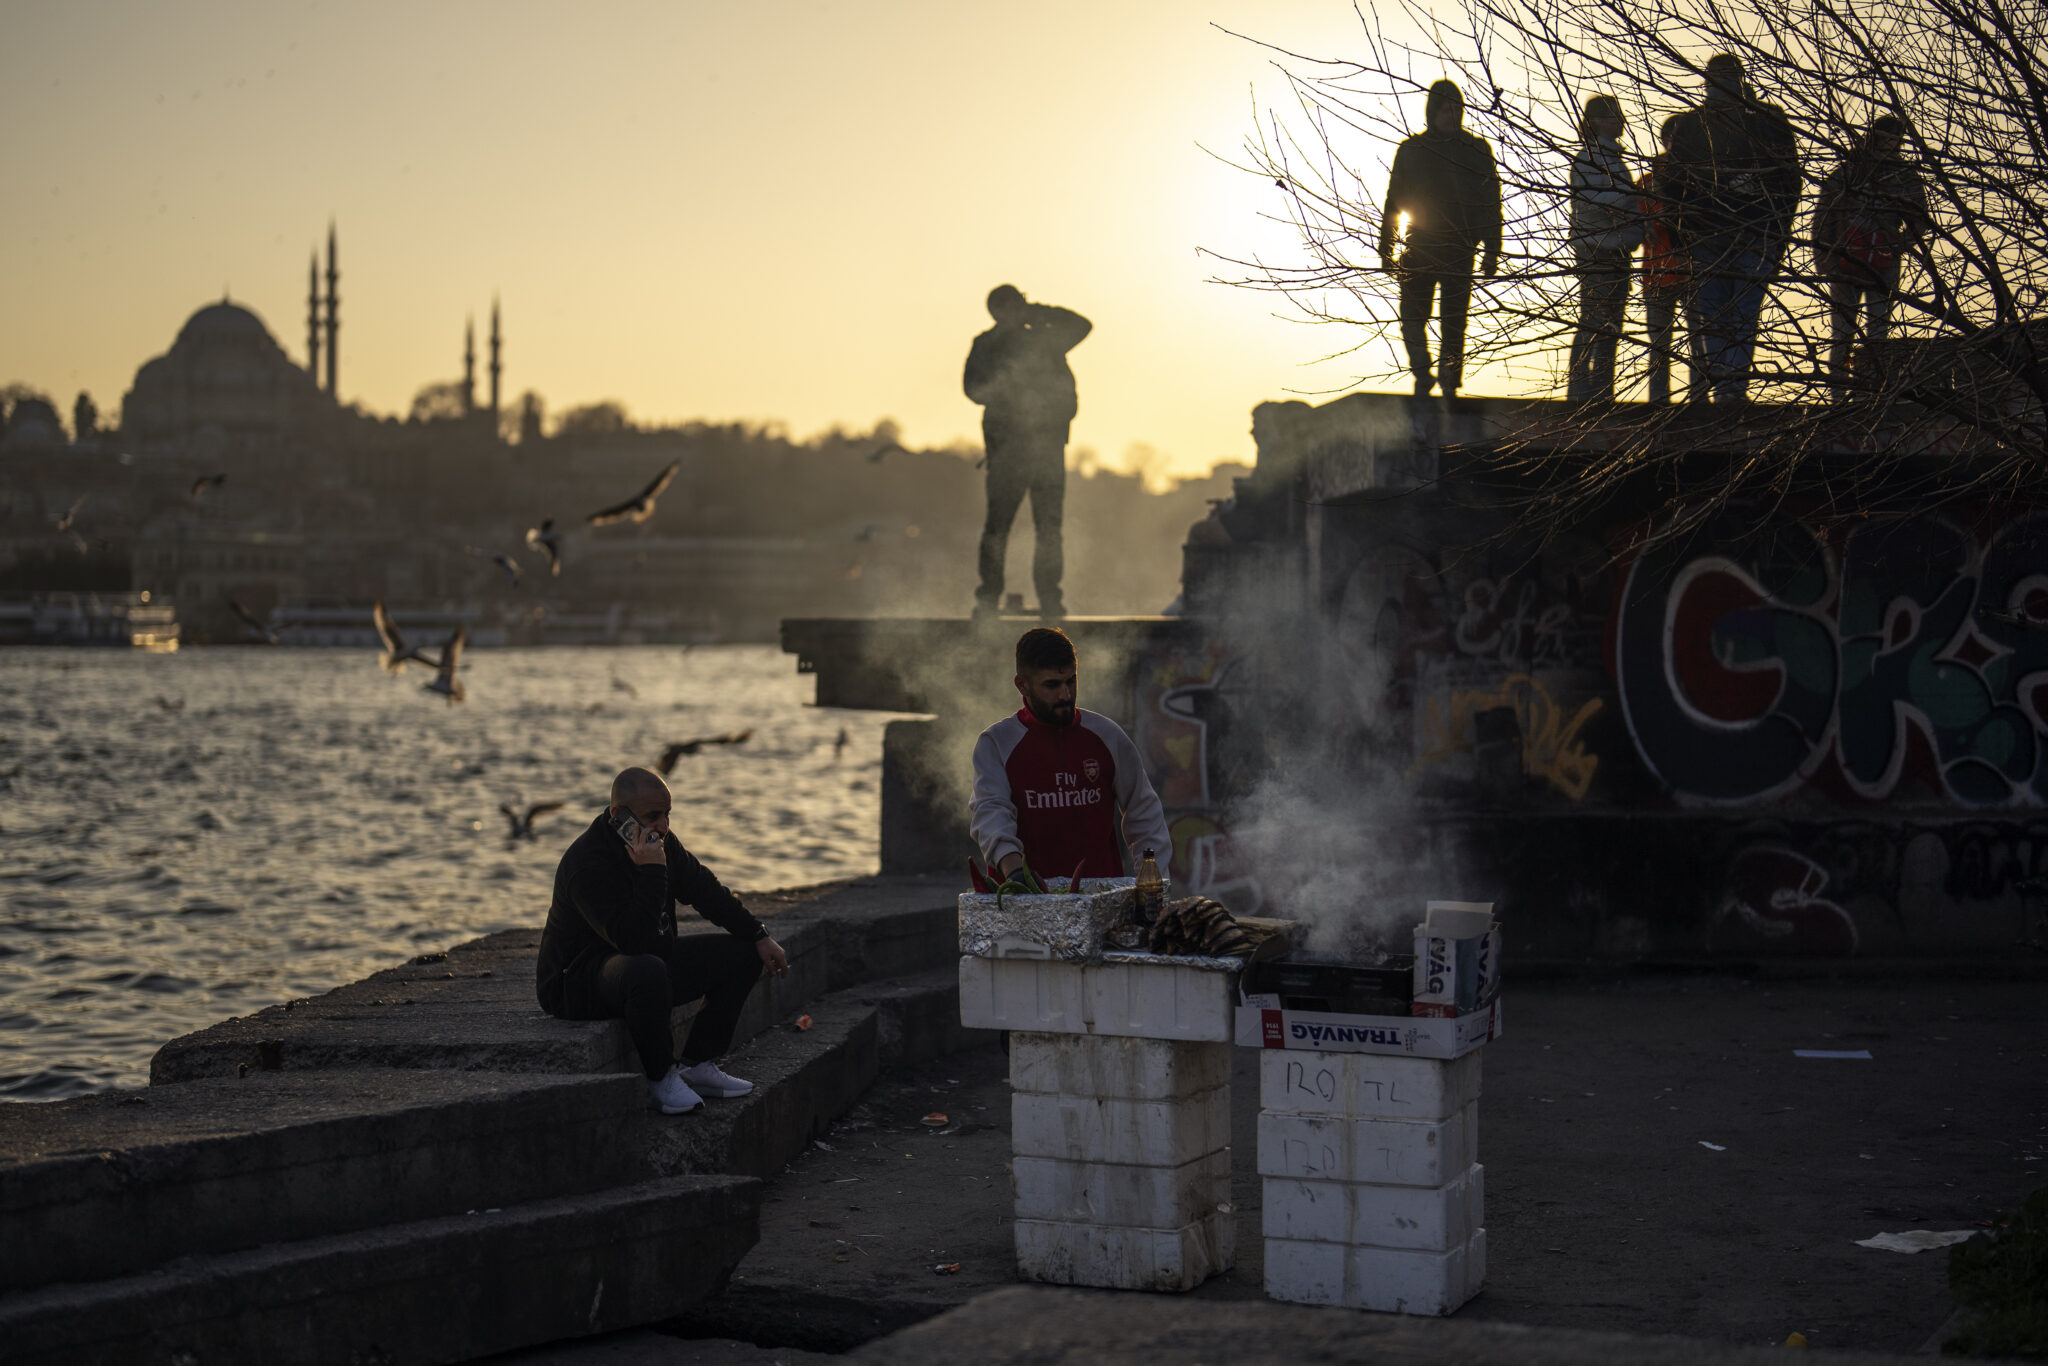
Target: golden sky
x,y
764,211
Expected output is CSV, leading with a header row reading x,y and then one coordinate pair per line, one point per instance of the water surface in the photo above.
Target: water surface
x,y
189,837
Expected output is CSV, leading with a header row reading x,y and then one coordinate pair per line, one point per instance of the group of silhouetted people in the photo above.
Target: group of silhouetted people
x,y
1713,215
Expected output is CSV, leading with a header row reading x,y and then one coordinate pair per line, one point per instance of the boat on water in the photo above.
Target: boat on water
x,y
132,620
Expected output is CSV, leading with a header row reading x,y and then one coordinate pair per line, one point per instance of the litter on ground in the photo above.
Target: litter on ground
x,y
1917,1240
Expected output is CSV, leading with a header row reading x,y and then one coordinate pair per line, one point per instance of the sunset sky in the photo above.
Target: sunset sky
x,y
770,211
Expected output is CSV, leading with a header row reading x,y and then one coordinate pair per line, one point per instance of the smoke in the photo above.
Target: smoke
x,y
1322,808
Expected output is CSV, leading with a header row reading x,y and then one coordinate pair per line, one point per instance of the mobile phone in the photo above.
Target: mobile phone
x,y
628,827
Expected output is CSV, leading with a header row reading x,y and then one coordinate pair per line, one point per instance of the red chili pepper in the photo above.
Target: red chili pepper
x,y
1074,884
974,872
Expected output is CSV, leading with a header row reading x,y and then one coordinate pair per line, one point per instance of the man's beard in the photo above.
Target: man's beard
x,y
1059,714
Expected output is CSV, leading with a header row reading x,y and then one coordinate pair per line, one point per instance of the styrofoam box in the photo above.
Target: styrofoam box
x,y
1148,1001
1384,1279
1112,1065
1393,1152
1118,1258
1261,1023
1113,1193
1418,1218
1366,1085
1139,1133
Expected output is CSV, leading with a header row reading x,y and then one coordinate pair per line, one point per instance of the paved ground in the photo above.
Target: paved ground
x,y
1605,1209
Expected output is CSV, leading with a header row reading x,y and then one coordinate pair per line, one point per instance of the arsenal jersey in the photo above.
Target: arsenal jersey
x,y
1067,796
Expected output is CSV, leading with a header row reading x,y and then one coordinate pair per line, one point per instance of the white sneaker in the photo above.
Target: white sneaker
x,y
672,1094
706,1077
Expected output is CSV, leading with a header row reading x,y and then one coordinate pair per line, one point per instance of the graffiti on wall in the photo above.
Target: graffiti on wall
x,y
1910,661
1549,734
1182,712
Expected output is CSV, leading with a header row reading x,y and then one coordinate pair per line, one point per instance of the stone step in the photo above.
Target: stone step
x,y
473,1007
432,1291
804,1079
110,1184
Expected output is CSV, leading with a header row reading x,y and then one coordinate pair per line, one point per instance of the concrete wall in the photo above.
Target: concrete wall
x,y
1789,732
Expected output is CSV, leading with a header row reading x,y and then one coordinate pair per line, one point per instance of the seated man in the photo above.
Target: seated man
x,y
610,950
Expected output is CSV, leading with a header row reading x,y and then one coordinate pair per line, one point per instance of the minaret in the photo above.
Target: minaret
x,y
313,316
497,368
469,368
333,316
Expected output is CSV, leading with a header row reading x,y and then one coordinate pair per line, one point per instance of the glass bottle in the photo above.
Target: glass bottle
x,y
1150,893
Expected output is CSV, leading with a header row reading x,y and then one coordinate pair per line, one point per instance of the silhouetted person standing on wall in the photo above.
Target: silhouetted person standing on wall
x,y
1017,371
1735,181
1870,209
1445,184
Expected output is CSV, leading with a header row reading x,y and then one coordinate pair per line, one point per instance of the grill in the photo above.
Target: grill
x,y
1386,988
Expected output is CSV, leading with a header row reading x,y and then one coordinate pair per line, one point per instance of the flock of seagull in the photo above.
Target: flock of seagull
x,y
396,653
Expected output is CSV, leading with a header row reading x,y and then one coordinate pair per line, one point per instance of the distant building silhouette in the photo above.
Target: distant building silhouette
x,y
224,387
497,369
333,317
469,368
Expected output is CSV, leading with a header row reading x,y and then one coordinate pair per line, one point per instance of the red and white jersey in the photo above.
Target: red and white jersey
x,y
1056,793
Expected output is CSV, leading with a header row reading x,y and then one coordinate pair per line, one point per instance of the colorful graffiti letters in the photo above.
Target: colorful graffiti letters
x,y
1915,652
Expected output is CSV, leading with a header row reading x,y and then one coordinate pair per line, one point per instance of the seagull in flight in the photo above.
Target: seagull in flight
x,y
253,622
396,653
65,518
522,826
621,685
545,537
640,506
667,762
205,482
444,680
504,562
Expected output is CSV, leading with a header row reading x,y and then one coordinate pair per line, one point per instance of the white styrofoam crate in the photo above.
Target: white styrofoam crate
x,y
1050,1188
1114,1065
1370,1085
1394,1152
1385,1279
1160,1000
1118,1258
1420,1218
1139,1133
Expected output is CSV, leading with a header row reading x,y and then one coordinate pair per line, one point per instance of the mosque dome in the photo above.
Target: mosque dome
x,y
224,322
224,374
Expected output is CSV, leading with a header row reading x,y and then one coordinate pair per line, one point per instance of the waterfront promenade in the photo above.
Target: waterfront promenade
x,y
392,1146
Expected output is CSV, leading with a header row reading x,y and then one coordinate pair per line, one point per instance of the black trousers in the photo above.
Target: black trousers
x,y
1424,274
642,988
1021,463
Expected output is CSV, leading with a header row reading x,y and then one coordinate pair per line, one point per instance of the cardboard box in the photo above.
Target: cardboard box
x,y
1455,977
1262,1024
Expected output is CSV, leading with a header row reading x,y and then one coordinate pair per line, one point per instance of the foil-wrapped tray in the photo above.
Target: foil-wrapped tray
x,y
1068,929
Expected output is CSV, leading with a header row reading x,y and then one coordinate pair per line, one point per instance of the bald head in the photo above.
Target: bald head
x,y
641,791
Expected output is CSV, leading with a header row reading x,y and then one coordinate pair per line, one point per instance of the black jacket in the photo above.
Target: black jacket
x,y
1448,186
1018,371
605,903
1735,170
